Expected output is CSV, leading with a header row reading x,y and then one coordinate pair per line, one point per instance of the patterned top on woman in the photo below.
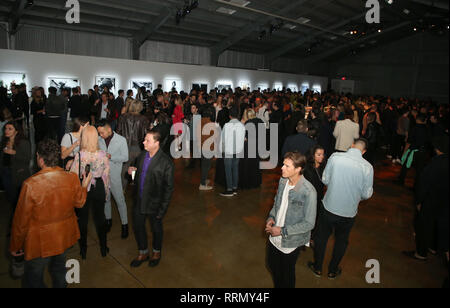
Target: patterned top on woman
x,y
99,167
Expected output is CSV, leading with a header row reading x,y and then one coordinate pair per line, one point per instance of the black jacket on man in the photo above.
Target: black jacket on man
x,y
158,185
300,142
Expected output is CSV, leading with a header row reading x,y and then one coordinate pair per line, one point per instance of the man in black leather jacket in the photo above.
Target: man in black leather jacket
x,y
154,188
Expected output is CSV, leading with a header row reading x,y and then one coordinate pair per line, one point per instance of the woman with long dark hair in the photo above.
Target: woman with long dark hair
x,y
313,173
15,157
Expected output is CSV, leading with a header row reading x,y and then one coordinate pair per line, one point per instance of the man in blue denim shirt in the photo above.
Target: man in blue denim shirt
x,y
291,220
349,179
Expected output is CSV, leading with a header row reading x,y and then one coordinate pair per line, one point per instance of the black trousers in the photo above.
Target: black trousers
x,y
426,227
140,232
34,272
419,162
328,222
95,201
398,145
282,266
53,128
205,166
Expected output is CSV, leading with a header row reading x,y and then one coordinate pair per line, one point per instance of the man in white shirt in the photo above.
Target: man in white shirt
x,y
346,132
349,180
233,138
291,220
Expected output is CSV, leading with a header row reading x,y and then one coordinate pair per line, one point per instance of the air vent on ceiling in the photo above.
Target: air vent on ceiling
x,y
303,20
290,26
239,2
225,11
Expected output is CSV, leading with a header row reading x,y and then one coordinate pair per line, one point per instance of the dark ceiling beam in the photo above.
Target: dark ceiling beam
x,y
77,27
302,40
438,4
15,15
126,6
333,51
85,20
141,36
90,9
245,31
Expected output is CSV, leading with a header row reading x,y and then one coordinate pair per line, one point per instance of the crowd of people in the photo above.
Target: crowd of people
x,y
325,140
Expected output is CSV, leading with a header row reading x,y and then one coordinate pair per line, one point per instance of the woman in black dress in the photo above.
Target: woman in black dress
x,y
15,157
313,173
249,171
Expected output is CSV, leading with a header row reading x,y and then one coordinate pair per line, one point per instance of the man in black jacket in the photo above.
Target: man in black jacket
x,y
432,204
154,188
300,142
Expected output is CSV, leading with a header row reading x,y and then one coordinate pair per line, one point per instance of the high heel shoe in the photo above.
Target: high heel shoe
x,y
124,231
104,251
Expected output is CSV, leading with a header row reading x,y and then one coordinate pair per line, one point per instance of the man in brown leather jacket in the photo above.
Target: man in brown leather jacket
x,y
45,224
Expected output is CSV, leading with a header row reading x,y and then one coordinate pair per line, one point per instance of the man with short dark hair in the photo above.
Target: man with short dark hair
x,y
54,109
300,142
45,224
432,205
291,220
233,139
345,132
154,176
349,179
116,148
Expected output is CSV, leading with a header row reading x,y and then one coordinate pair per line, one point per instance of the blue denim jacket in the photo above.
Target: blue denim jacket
x,y
300,215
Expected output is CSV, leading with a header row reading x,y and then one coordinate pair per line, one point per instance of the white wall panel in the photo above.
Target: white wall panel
x,y
39,66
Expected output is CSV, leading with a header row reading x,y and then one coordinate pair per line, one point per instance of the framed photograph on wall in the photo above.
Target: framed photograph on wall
x,y
222,87
200,87
136,84
6,79
105,81
172,84
63,83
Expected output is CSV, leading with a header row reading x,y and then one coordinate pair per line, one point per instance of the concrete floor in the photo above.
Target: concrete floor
x,y
214,242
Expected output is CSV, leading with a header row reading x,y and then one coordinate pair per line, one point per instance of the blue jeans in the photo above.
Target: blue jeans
x,y
232,172
34,272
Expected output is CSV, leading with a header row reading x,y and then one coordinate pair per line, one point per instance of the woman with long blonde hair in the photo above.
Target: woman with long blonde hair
x,y
91,160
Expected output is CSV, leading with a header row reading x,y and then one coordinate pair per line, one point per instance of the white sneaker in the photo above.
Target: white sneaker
x,y
394,161
389,156
399,161
205,187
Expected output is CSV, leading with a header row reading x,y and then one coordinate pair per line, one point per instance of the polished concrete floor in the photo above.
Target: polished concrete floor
x,y
214,242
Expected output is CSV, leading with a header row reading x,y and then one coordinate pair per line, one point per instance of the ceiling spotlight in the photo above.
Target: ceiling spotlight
x,y
379,30
415,29
29,3
390,1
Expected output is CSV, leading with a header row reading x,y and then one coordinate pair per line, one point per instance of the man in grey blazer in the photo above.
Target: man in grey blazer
x,y
117,150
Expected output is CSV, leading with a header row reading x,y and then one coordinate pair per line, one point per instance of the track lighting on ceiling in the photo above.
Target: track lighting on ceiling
x,y
189,6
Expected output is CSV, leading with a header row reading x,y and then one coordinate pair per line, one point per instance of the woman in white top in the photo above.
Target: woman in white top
x,y
70,144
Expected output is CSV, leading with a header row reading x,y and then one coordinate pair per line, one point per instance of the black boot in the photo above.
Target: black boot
x,y
104,250
108,225
124,231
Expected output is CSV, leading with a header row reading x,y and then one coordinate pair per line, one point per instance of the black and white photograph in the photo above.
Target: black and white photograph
x,y
105,81
6,79
136,84
63,83
200,86
173,85
221,87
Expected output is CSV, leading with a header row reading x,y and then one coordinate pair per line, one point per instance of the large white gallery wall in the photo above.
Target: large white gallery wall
x,y
38,67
